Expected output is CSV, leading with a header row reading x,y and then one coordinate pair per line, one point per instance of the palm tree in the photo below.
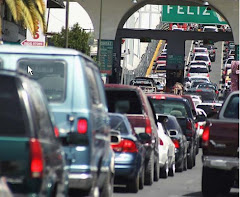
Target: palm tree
x,y
29,13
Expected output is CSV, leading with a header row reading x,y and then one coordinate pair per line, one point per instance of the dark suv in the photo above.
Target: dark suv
x,y
131,101
31,157
179,107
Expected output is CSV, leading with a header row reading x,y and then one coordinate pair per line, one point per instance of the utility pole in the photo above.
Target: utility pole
x,y
66,24
100,32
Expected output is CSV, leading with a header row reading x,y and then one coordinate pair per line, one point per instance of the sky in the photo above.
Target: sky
x,y
76,15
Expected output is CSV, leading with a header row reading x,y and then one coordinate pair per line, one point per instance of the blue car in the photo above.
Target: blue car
x,y
129,154
76,96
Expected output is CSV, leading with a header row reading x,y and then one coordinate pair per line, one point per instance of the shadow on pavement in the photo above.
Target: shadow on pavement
x,y
118,189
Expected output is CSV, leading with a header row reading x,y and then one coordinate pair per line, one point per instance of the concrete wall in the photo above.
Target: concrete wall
x,y
115,13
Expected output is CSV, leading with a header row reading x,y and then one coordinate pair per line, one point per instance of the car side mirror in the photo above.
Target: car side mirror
x,y
173,133
144,137
115,136
215,47
162,118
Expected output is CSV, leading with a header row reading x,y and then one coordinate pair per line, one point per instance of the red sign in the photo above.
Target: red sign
x,y
32,43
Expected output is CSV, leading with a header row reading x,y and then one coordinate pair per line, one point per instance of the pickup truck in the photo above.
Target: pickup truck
x,y
220,143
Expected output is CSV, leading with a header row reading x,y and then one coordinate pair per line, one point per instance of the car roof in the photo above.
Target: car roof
x,y
201,54
120,86
200,48
163,96
200,61
198,66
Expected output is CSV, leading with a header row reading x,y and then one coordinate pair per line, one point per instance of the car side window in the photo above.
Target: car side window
x,y
232,109
92,84
43,121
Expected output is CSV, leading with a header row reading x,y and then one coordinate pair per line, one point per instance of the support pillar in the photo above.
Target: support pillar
x,y
175,62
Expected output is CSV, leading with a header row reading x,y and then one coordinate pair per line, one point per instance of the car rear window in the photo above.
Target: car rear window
x,y
199,50
11,113
51,74
171,107
198,63
118,124
201,58
210,30
232,109
198,70
161,58
229,61
124,101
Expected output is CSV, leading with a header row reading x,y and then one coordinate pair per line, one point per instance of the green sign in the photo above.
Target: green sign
x,y
175,62
191,14
106,56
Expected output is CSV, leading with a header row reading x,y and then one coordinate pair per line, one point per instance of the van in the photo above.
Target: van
x,y
75,92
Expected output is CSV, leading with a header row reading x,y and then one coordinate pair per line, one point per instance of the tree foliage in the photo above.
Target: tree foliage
x,y
29,13
78,39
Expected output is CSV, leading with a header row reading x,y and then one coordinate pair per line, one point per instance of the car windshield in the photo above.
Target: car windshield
x,y
198,70
161,58
11,113
118,124
195,83
198,63
207,29
205,85
161,68
51,74
201,57
199,50
171,107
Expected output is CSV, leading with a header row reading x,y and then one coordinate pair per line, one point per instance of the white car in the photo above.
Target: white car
x,y
228,63
203,57
196,99
200,50
166,152
210,29
200,63
198,71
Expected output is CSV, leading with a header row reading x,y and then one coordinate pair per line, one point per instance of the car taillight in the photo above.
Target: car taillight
x,y
176,143
56,131
125,146
36,158
209,63
201,127
214,51
196,125
217,92
198,90
160,142
207,75
148,128
188,74
205,136
82,126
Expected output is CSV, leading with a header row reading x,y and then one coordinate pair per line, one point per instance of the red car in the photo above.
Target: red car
x,y
132,101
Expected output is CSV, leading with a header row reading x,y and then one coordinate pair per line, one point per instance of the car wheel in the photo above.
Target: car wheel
x,y
164,171
133,185
156,170
190,160
185,164
141,180
107,189
171,171
149,171
180,168
194,159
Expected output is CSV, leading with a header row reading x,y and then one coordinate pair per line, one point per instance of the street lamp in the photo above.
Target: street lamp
x,y
66,24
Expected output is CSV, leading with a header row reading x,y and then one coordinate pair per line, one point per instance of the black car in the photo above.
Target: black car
x,y
31,156
171,124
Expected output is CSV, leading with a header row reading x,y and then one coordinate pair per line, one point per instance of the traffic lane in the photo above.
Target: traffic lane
x,y
215,74
187,183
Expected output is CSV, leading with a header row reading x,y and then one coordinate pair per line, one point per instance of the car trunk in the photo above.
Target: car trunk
x,y
224,139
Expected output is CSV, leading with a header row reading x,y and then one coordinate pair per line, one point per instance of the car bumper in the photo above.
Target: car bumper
x,y
80,181
223,163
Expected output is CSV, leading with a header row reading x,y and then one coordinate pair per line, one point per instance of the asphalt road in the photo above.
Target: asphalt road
x,y
186,183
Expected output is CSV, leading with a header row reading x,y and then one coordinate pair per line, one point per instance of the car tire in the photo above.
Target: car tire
x,y
164,171
171,171
197,148
194,159
141,179
133,185
185,164
156,170
190,160
149,171
180,168
107,189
